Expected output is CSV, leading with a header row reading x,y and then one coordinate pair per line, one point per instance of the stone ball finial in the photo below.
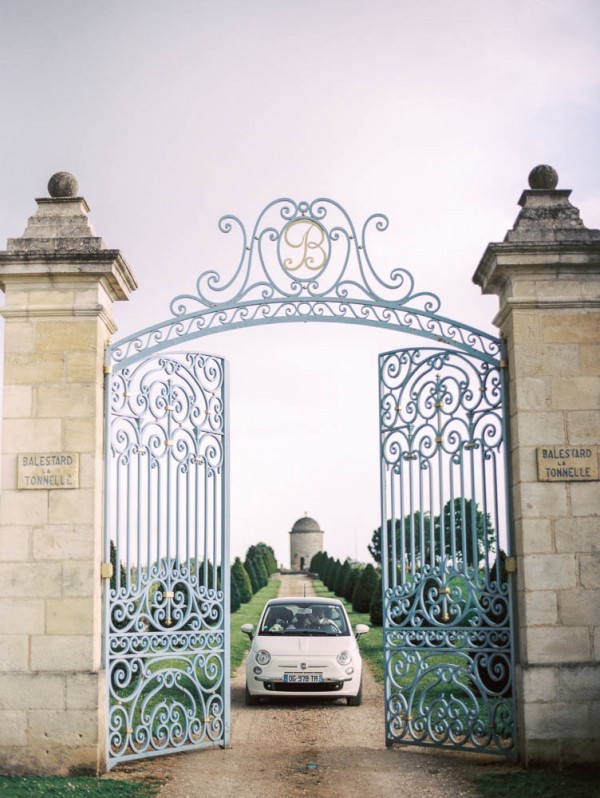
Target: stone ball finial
x,y
543,177
63,185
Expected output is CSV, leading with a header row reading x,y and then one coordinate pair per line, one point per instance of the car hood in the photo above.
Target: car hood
x,y
288,645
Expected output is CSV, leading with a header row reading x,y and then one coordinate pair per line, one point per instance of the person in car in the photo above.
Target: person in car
x,y
319,618
301,621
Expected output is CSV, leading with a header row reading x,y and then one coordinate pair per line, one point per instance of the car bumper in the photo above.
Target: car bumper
x,y
271,682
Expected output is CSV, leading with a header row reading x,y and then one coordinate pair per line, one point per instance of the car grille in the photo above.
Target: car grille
x,y
319,687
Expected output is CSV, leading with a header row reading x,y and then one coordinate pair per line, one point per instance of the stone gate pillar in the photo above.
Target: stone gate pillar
x,y
60,284
546,273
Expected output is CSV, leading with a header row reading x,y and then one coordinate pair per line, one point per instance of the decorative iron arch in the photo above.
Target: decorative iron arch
x,y
304,262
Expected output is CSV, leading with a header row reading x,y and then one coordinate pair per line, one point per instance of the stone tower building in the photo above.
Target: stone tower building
x,y
306,540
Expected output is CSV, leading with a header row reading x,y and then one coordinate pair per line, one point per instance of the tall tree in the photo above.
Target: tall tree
x,y
462,531
239,573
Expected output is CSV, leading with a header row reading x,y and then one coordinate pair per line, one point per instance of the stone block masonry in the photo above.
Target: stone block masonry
x,y
546,273
60,283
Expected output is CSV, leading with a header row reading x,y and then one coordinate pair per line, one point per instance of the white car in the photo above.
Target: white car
x,y
304,646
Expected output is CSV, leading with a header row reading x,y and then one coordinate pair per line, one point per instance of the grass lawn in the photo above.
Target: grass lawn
x,y
539,784
77,787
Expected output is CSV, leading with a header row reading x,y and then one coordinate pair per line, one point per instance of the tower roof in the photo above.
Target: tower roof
x,y
305,524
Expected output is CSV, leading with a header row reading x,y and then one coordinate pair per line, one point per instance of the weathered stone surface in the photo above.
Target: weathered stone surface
x,y
541,608
533,536
549,571
14,543
21,616
577,534
557,645
575,393
590,570
62,542
32,691
34,368
30,580
64,184
66,727
537,499
32,435
79,577
569,327
585,499
13,727
69,616
82,691
540,684
66,505
579,607
541,177
544,720
579,684
61,653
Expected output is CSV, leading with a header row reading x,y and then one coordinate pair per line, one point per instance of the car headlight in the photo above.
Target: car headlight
x,y
344,657
263,657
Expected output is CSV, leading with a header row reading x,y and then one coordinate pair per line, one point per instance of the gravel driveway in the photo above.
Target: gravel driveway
x,y
313,748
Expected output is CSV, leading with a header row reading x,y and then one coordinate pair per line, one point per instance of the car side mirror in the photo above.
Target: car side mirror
x,y
248,629
361,629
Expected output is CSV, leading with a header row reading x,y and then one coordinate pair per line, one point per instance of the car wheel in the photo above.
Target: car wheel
x,y
251,700
355,700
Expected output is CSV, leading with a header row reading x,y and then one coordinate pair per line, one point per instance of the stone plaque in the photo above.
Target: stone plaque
x,y
567,463
47,471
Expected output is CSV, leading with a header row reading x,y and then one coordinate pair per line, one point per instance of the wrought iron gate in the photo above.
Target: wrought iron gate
x,y
167,601
447,602
445,547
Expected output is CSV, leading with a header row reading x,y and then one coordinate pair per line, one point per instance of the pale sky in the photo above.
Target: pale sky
x,y
172,114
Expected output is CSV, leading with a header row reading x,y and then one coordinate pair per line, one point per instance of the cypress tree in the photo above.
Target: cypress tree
x,y
333,574
323,566
315,562
234,594
327,570
361,600
261,568
353,578
376,608
242,580
249,566
342,578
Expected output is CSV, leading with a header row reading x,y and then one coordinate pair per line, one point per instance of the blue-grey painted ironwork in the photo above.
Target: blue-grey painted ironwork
x,y
166,607
447,602
445,537
303,262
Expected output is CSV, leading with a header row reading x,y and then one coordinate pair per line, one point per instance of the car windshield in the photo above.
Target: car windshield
x,y
304,618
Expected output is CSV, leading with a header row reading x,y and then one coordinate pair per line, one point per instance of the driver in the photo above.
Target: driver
x,y
318,617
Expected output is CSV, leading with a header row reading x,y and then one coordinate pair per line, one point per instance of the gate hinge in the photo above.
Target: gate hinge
x,y
503,364
108,369
106,570
510,563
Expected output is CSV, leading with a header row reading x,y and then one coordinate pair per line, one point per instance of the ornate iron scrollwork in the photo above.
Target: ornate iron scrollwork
x,y
447,604
165,617
304,261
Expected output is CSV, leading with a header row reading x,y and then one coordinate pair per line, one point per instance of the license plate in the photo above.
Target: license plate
x,y
307,678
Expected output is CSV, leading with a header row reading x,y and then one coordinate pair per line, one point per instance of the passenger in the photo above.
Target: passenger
x,y
301,621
